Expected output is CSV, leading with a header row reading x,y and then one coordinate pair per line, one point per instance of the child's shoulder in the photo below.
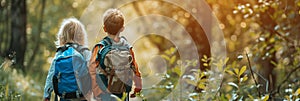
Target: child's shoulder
x,y
125,41
123,37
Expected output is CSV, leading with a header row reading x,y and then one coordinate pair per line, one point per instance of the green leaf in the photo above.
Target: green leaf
x,y
177,70
195,63
245,78
205,57
297,92
205,64
203,80
196,75
226,60
172,60
165,57
265,98
201,86
123,98
203,60
251,97
228,96
170,51
243,69
233,84
236,71
274,63
194,83
202,75
287,97
229,72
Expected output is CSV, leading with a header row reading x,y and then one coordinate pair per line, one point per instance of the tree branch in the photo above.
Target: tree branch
x,y
285,80
220,86
253,75
273,23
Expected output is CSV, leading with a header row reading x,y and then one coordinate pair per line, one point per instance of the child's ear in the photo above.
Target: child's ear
x,y
122,29
104,28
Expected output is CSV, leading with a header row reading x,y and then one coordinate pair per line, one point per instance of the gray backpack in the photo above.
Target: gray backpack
x,y
116,65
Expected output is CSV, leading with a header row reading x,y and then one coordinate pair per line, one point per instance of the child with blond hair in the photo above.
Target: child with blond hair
x,y
71,56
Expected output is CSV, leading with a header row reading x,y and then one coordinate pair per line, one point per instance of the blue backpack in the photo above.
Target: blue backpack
x,y
70,68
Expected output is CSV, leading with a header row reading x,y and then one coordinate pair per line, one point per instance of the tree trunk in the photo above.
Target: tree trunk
x,y
4,23
38,36
18,31
267,73
266,64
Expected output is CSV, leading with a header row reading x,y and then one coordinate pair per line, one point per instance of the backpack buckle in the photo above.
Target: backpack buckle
x,y
77,94
63,95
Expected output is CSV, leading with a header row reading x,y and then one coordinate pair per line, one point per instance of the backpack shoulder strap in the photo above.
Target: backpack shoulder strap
x,y
76,46
61,49
126,43
106,41
81,49
106,47
123,37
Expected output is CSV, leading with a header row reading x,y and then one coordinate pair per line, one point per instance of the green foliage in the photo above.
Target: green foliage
x,y
170,79
7,91
7,94
267,29
292,94
236,85
41,33
200,80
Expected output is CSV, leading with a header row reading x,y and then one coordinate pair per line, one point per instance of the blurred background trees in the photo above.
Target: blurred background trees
x,y
268,30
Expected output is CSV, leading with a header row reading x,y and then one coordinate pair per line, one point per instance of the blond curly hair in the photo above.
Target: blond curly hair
x,y
71,31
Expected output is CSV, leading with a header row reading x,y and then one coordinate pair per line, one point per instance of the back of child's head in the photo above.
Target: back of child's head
x,y
113,20
71,31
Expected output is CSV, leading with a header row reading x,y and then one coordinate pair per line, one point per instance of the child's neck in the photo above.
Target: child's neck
x,y
116,38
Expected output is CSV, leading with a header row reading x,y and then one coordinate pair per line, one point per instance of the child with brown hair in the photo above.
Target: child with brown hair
x,y
114,59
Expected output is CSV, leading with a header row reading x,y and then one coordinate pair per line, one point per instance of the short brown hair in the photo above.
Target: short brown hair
x,y
113,20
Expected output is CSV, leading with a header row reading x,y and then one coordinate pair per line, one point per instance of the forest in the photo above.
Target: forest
x,y
187,50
